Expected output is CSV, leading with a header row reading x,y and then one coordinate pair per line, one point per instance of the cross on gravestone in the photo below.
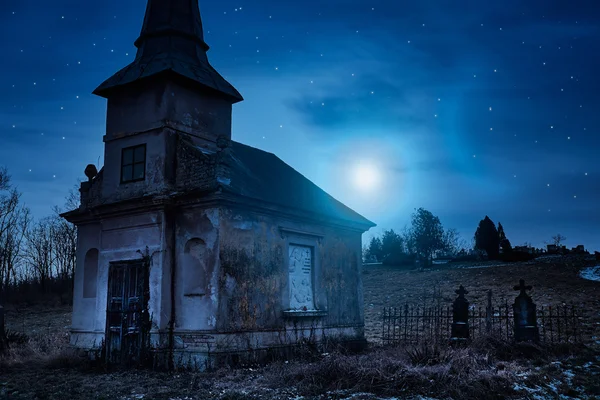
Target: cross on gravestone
x,y
521,286
461,291
460,316
524,312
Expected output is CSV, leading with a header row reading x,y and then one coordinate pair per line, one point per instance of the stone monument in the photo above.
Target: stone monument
x,y
460,316
526,328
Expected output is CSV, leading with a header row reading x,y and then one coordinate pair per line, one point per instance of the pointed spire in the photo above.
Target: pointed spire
x,y
179,18
172,41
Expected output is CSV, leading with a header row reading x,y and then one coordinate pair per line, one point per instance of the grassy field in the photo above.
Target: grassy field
x,y
555,281
44,368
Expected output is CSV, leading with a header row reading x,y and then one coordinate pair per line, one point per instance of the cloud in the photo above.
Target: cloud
x,y
369,101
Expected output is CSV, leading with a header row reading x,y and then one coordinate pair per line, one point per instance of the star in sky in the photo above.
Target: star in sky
x,y
327,84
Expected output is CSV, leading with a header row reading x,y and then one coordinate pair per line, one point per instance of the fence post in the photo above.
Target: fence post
x,y
406,323
460,316
383,319
488,313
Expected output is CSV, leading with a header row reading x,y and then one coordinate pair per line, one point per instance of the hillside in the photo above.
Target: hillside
x,y
44,368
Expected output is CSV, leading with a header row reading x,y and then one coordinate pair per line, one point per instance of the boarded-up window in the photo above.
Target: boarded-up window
x,y
194,268
90,274
300,277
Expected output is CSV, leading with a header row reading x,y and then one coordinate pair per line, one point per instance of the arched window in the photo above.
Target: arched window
x,y
194,268
90,274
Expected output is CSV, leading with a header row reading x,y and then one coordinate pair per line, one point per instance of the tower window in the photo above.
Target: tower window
x,y
133,163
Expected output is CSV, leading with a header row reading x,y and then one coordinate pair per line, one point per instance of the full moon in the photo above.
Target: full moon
x,y
366,177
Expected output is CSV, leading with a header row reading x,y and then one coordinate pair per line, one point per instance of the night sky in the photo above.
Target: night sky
x,y
466,108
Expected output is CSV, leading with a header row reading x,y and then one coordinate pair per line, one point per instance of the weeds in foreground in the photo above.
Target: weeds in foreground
x,y
416,371
46,351
485,369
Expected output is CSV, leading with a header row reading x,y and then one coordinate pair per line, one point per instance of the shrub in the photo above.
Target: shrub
x,y
400,259
426,354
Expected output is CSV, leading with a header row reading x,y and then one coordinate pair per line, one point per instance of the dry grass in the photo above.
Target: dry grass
x,y
487,369
38,320
46,368
42,351
458,372
554,281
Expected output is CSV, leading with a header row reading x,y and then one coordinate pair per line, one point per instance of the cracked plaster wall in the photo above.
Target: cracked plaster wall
x,y
245,282
117,239
197,309
254,272
169,103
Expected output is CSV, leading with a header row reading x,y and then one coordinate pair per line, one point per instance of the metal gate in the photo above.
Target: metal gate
x,y
127,320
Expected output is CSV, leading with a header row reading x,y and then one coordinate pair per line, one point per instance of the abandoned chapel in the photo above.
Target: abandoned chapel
x,y
194,247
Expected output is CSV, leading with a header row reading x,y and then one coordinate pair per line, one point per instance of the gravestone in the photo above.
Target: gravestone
x,y
525,318
460,316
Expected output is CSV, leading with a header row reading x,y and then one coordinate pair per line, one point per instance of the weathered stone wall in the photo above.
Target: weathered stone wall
x,y
195,170
155,182
168,103
154,114
254,272
200,114
231,281
196,274
83,321
117,239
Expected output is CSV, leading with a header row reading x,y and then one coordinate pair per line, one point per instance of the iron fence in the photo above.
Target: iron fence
x,y
414,324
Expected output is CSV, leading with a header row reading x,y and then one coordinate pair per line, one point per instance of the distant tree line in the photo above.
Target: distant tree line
x,y
426,238
490,239
423,240
34,253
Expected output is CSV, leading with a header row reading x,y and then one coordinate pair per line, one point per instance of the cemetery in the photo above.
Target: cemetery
x,y
193,266
461,359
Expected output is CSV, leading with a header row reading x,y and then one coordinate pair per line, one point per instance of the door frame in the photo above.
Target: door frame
x,y
134,340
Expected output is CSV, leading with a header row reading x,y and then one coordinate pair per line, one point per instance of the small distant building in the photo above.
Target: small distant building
x,y
552,249
524,249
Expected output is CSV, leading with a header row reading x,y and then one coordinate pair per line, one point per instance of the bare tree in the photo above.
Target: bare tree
x,y
558,239
40,250
454,242
14,219
64,241
65,237
12,246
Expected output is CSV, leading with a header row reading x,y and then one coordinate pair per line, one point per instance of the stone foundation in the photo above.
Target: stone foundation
x,y
204,350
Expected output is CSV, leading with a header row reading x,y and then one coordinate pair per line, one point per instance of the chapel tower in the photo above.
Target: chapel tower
x,y
169,88
194,249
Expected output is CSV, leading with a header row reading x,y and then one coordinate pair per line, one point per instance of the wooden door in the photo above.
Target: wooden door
x,y
127,322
